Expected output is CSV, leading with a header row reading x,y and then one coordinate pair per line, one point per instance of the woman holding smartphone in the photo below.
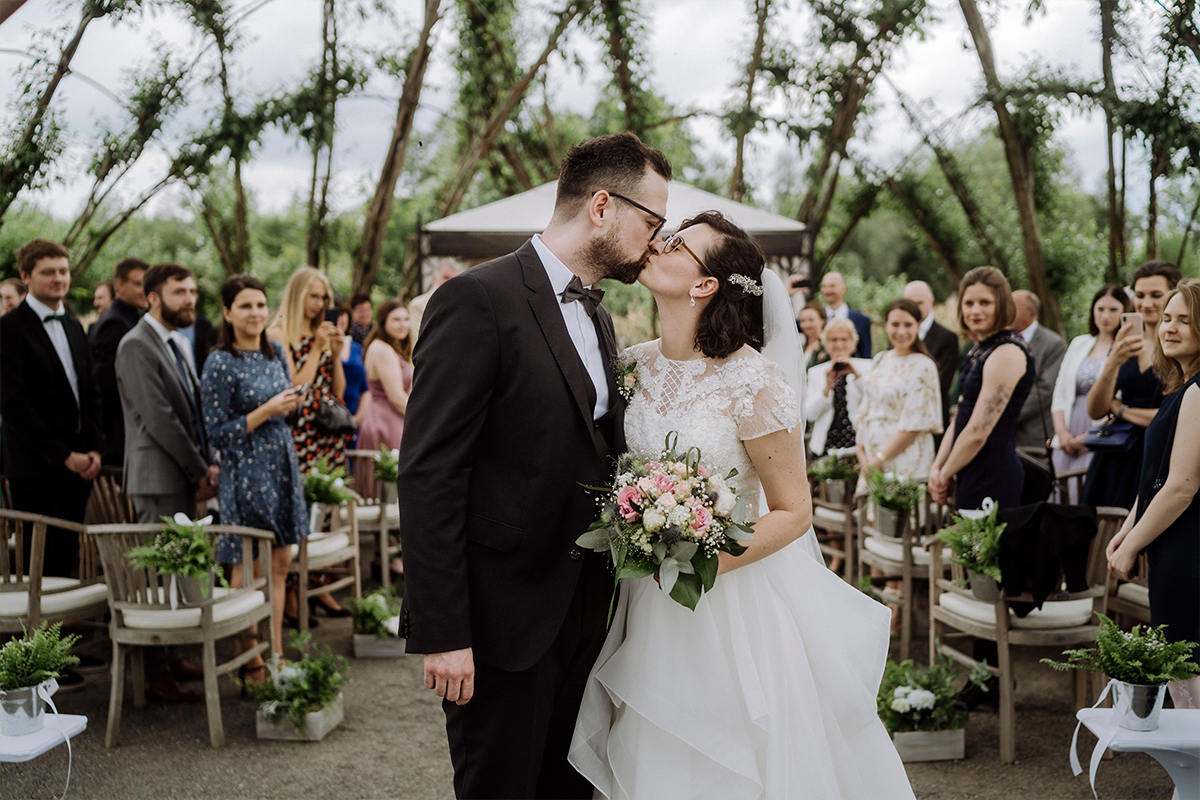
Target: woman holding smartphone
x,y
1128,389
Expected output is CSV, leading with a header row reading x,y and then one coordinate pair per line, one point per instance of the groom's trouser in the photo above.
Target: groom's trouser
x,y
511,739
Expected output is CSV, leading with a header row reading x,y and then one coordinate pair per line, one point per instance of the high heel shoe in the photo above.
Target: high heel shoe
x,y
294,622
315,602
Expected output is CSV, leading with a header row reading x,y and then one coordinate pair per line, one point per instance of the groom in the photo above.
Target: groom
x,y
514,409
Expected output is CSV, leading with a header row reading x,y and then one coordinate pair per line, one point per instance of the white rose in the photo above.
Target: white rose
x,y
726,500
667,501
653,519
900,705
392,625
922,699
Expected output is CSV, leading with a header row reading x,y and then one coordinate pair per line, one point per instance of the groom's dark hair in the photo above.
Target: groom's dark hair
x,y
734,316
615,162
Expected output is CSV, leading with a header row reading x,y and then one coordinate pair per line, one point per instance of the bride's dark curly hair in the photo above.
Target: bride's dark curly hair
x,y
733,317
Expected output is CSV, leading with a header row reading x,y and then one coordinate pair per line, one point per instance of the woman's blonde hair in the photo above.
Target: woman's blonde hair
x,y
840,324
289,320
1171,372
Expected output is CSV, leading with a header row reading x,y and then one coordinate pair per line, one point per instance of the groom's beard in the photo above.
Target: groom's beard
x,y
605,258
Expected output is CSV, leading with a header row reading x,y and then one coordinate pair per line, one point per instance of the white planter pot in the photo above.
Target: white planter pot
x,y
22,710
191,592
1146,702
889,522
835,491
931,745
367,645
317,724
984,589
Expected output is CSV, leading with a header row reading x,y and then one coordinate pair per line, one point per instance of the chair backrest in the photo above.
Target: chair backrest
x,y
109,505
1108,522
362,471
14,577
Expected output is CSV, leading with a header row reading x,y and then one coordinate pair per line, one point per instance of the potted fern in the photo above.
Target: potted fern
x,y
184,551
325,488
835,474
1140,664
302,700
975,539
895,500
29,668
377,625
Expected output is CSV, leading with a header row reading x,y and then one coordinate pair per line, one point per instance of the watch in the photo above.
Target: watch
x,y
1121,412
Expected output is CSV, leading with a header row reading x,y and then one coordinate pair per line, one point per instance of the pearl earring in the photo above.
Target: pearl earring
x,y
693,302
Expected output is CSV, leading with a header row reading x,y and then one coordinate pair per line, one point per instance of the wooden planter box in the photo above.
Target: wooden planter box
x,y
931,745
317,724
366,645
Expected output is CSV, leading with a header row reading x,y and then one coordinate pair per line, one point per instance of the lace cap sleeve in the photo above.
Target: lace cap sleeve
x,y
763,402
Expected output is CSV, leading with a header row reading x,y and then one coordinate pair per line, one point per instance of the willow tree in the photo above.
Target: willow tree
x,y
745,118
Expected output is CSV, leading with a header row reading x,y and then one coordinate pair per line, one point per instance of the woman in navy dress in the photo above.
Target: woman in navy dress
x,y
999,371
1166,520
1129,390
246,394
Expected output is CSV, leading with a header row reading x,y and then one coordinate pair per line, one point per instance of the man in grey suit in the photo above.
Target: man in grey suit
x,y
1034,425
167,464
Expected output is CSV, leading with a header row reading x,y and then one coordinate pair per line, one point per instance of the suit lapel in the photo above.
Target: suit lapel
x,y
50,355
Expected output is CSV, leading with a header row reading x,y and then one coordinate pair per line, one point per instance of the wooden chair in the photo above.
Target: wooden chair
x,y
379,512
905,558
837,522
142,617
29,598
109,505
335,550
1069,485
1066,619
1130,599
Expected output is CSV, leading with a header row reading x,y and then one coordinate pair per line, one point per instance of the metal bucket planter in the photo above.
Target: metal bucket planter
x,y
835,492
931,745
23,710
984,589
317,724
368,645
888,522
193,592
1145,706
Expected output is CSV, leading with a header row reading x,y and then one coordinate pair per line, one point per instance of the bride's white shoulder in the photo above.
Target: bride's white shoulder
x,y
763,401
637,353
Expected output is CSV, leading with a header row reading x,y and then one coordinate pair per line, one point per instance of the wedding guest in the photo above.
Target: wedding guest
x,y
835,390
1080,368
360,316
416,309
902,404
51,434
1112,478
246,394
356,396
1034,423
941,342
980,450
812,322
102,297
12,292
311,344
104,337
833,289
1166,517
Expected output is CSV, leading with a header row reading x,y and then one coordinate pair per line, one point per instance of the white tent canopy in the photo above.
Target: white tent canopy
x,y
503,226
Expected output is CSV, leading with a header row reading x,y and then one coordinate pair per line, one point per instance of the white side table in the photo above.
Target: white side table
x,y
1175,745
30,746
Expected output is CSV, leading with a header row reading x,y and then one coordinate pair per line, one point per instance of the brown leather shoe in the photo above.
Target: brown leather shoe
x,y
169,690
185,670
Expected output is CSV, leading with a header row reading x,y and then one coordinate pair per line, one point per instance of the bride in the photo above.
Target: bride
x,y
768,688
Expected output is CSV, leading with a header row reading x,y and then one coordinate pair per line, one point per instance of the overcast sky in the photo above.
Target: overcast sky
x,y
696,54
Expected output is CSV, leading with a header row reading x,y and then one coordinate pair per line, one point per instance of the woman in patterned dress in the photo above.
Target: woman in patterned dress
x,y
246,394
313,347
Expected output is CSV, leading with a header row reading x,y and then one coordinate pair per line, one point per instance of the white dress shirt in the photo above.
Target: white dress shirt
x,y
58,338
181,342
1028,333
842,311
579,326
926,324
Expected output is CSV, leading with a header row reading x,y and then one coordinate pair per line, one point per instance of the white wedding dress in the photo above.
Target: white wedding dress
x,y
767,689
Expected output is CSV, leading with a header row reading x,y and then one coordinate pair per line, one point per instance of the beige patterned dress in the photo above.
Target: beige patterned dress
x,y
901,393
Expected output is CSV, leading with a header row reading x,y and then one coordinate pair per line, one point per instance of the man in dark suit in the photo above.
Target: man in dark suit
x,y
941,342
1035,425
203,337
833,290
514,410
52,434
104,337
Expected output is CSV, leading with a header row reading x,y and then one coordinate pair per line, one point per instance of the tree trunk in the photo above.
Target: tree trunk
x,y
1187,232
370,247
1116,232
618,50
861,210
743,123
1020,169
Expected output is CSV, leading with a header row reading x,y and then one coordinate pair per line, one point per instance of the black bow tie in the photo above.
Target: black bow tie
x,y
589,297
53,317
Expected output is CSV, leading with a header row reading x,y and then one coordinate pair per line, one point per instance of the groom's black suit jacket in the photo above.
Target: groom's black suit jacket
x,y
498,444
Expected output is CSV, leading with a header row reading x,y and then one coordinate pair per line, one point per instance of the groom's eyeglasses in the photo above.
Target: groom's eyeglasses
x,y
661,219
674,242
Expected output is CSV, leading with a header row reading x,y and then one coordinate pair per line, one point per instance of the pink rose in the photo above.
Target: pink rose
x,y
701,519
625,500
645,485
662,483
653,466
702,472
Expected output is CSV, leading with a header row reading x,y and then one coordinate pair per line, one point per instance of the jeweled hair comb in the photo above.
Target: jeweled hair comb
x,y
748,284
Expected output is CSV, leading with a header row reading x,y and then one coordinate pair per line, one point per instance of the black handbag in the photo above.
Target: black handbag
x,y
334,419
1115,437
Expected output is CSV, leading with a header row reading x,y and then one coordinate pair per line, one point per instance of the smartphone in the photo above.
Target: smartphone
x,y
301,389
331,315
1137,327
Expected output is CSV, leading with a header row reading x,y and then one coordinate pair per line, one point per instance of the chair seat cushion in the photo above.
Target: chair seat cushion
x,y
16,604
190,617
370,514
829,514
892,550
1134,593
322,544
1052,614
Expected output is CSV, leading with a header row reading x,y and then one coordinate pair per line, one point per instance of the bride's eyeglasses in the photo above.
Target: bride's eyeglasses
x,y
674,242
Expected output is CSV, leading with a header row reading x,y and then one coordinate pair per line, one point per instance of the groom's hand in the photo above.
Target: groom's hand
x,y
451,675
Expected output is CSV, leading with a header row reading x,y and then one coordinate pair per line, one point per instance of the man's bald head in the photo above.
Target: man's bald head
x,y
1028,308
833,289
920,293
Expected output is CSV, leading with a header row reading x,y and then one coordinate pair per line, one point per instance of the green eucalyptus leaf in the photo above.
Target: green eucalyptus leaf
x,y
705,566
596,540
668,574
687,591
660,550
683,551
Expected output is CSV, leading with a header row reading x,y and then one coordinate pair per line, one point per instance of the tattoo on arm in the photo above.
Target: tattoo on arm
x,y
992,409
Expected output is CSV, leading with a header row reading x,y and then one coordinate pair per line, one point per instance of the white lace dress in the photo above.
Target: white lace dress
x,y
767,689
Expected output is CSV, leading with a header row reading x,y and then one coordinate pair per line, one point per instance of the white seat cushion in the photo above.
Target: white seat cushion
x,y
1133,593
321,544
190,617
1052,614
370,514
829,514
892,550
16,604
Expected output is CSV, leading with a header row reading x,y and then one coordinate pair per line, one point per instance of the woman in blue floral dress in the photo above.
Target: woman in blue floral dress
x,y
247,394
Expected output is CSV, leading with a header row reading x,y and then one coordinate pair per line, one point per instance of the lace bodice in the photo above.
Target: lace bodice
x,y
713,404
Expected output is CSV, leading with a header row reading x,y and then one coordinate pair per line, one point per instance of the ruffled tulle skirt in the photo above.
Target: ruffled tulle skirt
x,y
766,690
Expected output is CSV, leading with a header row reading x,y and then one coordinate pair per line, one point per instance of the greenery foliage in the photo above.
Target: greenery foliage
x,y
182,548
831,468
1138,657
36,657
327,487
387,465
893,492
295,689
976,543
378,613
913,697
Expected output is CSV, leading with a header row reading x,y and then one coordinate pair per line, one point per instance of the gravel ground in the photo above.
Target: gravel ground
x,y
392,744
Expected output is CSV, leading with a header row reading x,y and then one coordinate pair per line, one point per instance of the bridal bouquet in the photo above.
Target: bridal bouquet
x,y
669,516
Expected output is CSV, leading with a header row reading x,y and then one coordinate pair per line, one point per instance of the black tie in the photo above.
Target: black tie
x,y
589,297
54,317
